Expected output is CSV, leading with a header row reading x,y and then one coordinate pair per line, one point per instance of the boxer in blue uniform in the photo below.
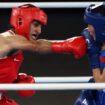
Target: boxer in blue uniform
x,y
94,35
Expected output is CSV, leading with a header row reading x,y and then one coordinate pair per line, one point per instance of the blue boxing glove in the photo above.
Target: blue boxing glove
x,y
93,49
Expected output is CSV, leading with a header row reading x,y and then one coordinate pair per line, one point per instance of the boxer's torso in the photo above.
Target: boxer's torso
x,y
10,63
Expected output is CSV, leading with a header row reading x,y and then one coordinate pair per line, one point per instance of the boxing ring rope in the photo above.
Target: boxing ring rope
x,y
55,83
50,4
53,86
62,79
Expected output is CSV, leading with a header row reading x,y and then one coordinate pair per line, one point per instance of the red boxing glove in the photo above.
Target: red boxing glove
x,y
24,78
76,45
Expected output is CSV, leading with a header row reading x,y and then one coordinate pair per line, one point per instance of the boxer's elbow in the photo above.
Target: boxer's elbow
x,y
99,79
98,75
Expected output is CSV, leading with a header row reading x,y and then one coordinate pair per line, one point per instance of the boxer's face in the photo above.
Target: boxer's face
x,y
35,30
92,31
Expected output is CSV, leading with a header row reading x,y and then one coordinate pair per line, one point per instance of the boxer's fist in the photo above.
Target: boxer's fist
x,y
76,45
24,78
93,49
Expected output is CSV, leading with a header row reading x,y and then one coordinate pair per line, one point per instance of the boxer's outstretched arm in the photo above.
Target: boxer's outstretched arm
x,y
19,42
75,45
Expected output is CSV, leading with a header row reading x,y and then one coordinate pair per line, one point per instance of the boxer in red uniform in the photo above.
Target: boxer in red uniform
x,y
26,21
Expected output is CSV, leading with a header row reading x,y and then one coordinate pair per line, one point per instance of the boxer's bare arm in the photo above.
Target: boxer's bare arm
x,y
45,46
98,75
9,43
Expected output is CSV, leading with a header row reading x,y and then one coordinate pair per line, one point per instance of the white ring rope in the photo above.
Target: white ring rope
x,y
55,83
50,4
62,79
53,86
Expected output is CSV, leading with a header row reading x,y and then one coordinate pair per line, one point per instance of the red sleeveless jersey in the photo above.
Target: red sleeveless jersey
x,y
9,67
